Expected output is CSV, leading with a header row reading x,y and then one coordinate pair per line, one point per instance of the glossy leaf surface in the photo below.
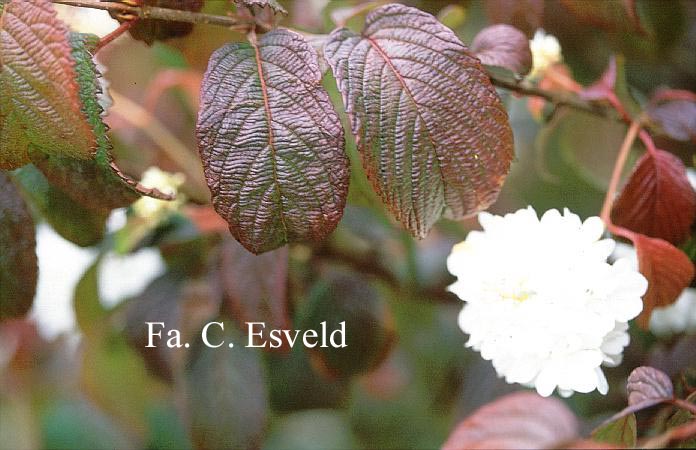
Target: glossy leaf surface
x,y
40,94
648,385
433,134
658,199
271,142
503,46
97,184
668,270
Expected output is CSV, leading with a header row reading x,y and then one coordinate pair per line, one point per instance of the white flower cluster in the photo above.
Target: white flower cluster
x,y
546,51
542,303
165,182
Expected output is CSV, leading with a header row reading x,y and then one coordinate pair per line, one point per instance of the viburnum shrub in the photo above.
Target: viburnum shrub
x,y
330,170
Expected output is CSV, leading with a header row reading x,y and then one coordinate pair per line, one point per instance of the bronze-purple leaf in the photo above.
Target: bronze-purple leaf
x,y
503,46
18,265
518,420
433,134
647,385
271,142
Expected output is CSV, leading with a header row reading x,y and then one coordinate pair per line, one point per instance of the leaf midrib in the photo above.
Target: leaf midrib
x,y
406,89
269,120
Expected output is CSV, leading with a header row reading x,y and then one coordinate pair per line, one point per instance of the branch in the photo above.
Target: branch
x,y
155,12
557,98
152,12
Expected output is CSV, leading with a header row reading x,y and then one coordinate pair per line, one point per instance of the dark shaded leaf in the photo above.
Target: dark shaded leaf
x,y
517,420
180,304
658,199
503,46
648,386
226,392
271,142
151,30
675,359
97,184
40,94
349,298
255,287
622,432
71,220
526,15
611,15
433,134
272,4
310,388
18,265
668,270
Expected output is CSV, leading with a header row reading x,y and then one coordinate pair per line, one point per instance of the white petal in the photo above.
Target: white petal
x,y
602,385
592,229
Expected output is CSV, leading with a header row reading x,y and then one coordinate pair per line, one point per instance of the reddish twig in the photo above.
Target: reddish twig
x,y
106,40
685,405
616,175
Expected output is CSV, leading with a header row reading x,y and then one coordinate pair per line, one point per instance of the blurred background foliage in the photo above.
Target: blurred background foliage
x,y
405,378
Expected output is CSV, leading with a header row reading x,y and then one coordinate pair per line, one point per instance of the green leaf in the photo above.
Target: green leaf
x,y
71,220
271,142
347,297
115,379
226,392
77,425
452,16
90,314
39,88
97,184
433,134
18,265
312,430
621,432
